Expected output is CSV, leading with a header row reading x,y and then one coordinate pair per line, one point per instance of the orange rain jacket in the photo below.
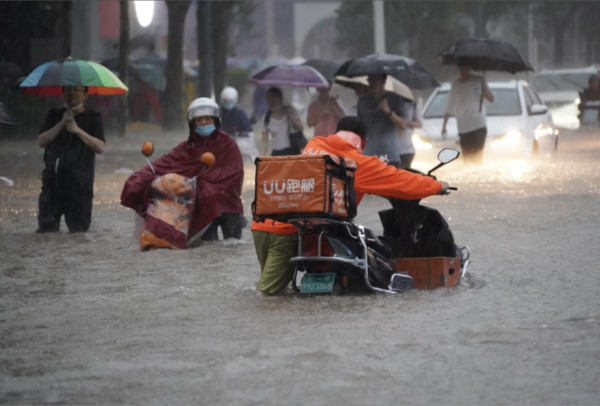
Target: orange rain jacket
x,y
372,176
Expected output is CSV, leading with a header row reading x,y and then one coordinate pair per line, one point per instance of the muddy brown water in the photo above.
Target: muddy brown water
x,y
85,319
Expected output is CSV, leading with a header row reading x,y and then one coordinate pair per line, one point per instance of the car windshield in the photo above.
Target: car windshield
x,y
506,103
562,81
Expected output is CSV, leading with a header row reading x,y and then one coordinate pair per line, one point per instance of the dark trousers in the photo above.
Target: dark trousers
x,y
472,144
57,199
231,226
406,160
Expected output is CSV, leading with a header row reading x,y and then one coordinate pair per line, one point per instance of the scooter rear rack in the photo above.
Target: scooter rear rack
x,y
354,231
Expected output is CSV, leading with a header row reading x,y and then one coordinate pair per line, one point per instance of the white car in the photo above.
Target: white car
x,y
518,121
559,89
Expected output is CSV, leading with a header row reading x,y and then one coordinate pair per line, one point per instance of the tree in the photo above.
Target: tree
x,y
354,26
222,14
415,29
589,15
558,17
174,70
219,24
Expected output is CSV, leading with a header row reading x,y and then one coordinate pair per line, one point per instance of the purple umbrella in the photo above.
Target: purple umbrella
x,y
289,75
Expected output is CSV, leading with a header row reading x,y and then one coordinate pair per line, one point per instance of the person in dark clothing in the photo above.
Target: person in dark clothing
x,y
235,122
383,112
589,98
71,137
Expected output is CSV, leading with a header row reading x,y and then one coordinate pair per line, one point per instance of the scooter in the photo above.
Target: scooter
x,y
340,256
168,215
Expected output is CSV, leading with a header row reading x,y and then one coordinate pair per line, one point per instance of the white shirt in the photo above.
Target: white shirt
x,y
463,103
279,129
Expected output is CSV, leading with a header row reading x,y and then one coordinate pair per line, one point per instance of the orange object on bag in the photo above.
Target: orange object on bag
x,y
171,212
304,185
172,185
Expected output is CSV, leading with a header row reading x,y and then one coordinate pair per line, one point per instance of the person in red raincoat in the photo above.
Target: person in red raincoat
x,y
218,188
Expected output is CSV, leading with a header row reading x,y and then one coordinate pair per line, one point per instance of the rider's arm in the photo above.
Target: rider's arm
x,y
377,178
49,135
444,131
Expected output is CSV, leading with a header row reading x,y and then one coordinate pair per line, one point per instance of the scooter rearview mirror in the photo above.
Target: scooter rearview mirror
x,y
147,150
445,156
448,155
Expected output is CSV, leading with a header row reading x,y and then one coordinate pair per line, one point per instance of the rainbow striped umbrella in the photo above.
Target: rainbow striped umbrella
x,y
49,78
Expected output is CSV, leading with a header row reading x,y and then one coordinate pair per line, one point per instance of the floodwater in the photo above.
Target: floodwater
x,y
85,319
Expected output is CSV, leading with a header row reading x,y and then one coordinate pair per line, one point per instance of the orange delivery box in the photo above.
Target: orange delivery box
x,y
293,186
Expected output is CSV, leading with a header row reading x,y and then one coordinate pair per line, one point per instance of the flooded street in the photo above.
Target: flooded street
x,y
85,319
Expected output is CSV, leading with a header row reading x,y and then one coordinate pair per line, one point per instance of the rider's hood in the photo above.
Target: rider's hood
x,y
351,138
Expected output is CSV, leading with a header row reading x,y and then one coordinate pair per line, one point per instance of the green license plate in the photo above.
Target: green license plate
x,y
317,283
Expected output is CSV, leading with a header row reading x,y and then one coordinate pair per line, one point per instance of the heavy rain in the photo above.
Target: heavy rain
x,y
87,318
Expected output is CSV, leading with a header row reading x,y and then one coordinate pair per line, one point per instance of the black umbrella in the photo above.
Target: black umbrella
x,y
485,54
326,67
406,70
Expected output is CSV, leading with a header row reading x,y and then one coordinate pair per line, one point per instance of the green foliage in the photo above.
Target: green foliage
x,y
355,28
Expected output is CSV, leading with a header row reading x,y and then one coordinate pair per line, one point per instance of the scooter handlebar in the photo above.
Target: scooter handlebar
x,y
447,191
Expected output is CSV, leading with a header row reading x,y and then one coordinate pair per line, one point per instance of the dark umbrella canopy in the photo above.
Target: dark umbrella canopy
x,y
289,75
326,67
484,55
406,70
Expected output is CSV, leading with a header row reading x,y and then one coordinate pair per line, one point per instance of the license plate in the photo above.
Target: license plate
x,y
317,283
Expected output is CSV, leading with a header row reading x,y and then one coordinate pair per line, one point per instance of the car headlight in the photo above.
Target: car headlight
x,y
421,142
543,130
509,139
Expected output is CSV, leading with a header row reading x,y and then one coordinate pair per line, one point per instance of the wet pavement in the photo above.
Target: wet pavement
x,y
85,319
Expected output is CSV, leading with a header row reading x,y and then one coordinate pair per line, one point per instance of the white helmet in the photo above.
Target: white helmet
x,y
203,106
229,94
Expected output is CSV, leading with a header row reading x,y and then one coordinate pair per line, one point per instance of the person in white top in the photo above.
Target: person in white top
x,y
465,102
279,121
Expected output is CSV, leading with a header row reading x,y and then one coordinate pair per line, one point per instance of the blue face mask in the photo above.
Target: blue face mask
x,y
228,105
205,130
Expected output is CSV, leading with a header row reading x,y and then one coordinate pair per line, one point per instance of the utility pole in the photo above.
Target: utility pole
x,y
269,32
379,26
531,41
205,49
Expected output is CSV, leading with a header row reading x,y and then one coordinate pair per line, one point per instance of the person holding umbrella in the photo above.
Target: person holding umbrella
x,y
71,137
383,112
465,103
